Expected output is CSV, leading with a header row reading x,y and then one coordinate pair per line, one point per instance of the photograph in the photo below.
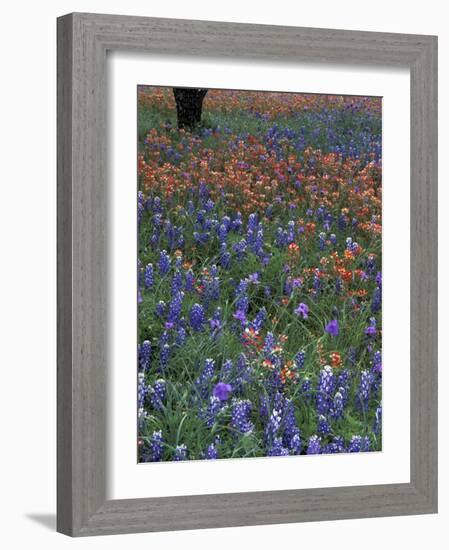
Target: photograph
x,y
259,236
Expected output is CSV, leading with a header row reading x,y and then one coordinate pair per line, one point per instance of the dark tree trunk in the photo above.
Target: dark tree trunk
x,y
189,104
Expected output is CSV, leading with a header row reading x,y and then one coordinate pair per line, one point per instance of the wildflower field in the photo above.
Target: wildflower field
x,y
259,276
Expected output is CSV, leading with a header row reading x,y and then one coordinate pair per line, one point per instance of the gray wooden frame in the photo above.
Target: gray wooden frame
x,y
83,40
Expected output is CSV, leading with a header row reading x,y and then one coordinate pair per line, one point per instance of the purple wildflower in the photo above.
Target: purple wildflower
x,y
240,316
222,391
332,328
371,329
302,310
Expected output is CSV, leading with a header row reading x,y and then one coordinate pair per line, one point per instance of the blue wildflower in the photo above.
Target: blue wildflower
x,y
197,317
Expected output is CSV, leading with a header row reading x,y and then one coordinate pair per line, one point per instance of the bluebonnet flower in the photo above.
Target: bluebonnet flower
x,y
277,448
316,281
140,207
338,404
288,287
164,355
244,372
197,317
225,257
181,336
157,205
149,276
322,241
237,222
325,390
226,370
145,355
164,262
332,328
359,444
175,308
240,416
269,343
335,446
342,222
222,233
139,296
142,390
180,453
157,394
160,308
215,320
201,238
296,444
240,249
306,388
178,262
376,302
300,358
209,205
378,279
264,410
292,435
211,290
281,240
364,389
273,424
323,425
377,362
189,281
314,445
156,446
204,380
291,231
259,319
302,310
211,452
242,302
210,413
176,285
252,221
142,415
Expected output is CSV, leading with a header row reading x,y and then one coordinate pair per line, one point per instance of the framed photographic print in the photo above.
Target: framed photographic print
x,y
247,276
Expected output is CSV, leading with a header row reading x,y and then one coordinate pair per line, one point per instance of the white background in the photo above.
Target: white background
x,y
131,480
27,229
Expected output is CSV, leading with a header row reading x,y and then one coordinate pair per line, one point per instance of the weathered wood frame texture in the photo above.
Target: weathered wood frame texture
x,y
83,40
